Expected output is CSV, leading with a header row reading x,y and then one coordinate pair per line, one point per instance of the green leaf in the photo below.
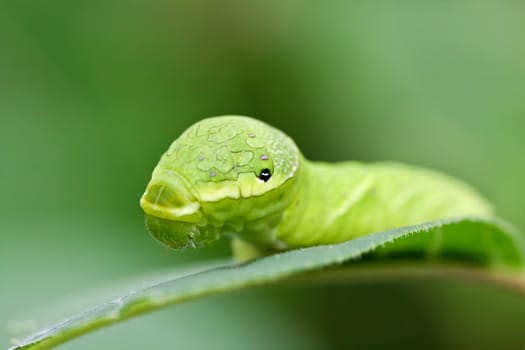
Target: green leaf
x,y
476,249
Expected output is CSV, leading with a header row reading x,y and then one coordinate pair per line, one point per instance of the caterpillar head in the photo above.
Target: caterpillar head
x,y
227,174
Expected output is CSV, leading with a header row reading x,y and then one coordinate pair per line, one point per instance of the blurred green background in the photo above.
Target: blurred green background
x,y
92,93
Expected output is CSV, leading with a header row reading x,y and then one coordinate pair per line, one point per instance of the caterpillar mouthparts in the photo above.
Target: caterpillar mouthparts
x,y
178,234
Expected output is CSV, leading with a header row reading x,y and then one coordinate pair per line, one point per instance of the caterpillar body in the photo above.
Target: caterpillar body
x,y
238,176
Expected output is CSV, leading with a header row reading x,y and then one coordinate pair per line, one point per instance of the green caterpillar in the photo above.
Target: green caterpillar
x,y
238,176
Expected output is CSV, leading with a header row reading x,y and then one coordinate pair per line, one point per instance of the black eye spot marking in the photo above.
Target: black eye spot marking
x,y
265,175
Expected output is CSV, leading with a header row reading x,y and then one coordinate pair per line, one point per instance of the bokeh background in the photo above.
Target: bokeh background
x,y
92,92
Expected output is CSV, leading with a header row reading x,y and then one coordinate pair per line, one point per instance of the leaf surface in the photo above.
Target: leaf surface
x,y
476,249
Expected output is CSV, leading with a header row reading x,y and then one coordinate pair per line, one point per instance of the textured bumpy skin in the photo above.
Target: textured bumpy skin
x,y
238,176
